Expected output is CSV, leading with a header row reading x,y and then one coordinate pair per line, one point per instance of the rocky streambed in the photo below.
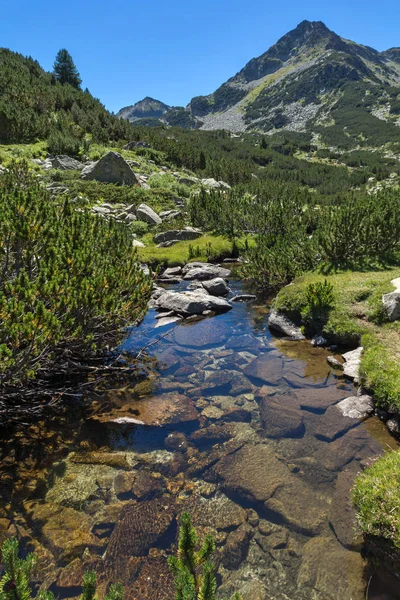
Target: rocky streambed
x,y
237,427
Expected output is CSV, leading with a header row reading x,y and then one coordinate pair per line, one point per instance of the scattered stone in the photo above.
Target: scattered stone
x,y
357,407
283,325
169,215
352,364
138,244
167,321
147,214
236,547
393,425
172,272
391,303
112,168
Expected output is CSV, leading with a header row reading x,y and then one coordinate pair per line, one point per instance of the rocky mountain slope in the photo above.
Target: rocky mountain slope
x,y
148,108
311,80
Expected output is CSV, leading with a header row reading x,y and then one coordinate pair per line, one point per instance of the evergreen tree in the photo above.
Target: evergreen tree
x,y
65,70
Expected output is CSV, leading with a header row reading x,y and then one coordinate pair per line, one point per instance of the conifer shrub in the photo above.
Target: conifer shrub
x,y
69,283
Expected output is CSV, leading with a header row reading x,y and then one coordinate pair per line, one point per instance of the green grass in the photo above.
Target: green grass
x,y
357,317
20,151
376,496
178,254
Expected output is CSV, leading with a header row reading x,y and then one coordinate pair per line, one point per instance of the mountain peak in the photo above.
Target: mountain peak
x,y
148,108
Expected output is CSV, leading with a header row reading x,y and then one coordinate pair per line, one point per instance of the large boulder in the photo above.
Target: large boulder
x,y
177,235
147,214
191,303
66,163
112,168
204,271
281,324
216,286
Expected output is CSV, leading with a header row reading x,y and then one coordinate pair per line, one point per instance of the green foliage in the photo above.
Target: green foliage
x,y
15,583
69,281
380,372
319,302
376,496
64,69
192,568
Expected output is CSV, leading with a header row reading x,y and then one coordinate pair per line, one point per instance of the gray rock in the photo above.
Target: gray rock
x,y
138,244
112,168
180,235
243,298
281,324
216,287
133,145
357,407
167,321
167,244
168,215
191,303
147,214
352,365
215,185
391,303
204,271
172,272
393,425
66,163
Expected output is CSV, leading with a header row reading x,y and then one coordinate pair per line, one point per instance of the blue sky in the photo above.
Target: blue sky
x,y
174,50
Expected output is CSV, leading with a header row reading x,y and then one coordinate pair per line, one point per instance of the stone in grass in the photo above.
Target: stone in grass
x,y
112,168
352,364
147,214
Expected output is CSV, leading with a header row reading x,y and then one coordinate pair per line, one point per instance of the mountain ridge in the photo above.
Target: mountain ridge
x,y
297,84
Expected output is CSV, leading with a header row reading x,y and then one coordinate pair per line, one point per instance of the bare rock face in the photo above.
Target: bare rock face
x,y
112,168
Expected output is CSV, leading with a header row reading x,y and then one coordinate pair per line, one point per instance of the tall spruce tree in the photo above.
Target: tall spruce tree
x,y
65,70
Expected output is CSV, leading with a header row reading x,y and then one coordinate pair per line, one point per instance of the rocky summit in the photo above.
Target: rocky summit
x,y
311,79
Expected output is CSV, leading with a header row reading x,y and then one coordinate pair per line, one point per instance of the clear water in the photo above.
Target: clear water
x,y
237,427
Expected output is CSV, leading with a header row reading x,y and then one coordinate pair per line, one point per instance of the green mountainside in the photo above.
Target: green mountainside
x,y
311,80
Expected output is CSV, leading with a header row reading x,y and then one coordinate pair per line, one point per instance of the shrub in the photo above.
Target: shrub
x,y
69,282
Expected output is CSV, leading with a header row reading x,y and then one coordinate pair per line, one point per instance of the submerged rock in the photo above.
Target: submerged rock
x,y
267,367
283,325
281,416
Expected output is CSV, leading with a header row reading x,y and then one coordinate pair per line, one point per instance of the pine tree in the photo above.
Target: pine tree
x,y
193,569
65,70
